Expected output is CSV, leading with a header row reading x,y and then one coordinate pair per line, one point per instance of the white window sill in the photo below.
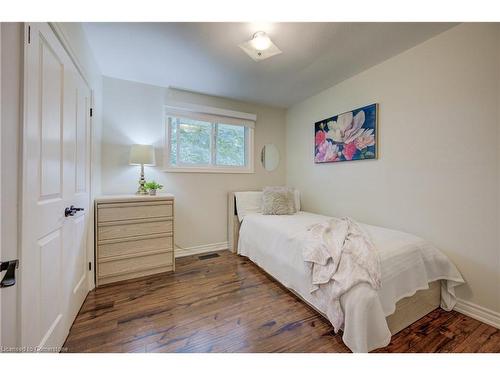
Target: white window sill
x,y
207,170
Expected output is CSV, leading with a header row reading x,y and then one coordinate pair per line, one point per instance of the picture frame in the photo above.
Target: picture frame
x,y
347,136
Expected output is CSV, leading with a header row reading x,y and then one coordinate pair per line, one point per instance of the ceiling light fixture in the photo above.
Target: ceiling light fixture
x,y
260,47
261,41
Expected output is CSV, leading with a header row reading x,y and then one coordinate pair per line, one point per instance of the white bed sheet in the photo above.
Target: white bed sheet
x,y
408,264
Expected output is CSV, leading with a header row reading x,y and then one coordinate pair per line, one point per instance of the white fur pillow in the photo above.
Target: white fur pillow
x,y
278,200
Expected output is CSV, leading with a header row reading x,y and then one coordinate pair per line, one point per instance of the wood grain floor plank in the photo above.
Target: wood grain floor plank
x,y
228,304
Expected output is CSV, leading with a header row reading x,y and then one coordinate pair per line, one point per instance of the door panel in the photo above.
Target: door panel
x,y
79,258
50,250
81,141
76,274
55,175
51,94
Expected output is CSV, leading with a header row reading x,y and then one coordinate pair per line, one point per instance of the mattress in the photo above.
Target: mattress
x,y
408,264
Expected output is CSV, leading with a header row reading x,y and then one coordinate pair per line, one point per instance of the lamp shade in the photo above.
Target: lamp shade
x,y
142,154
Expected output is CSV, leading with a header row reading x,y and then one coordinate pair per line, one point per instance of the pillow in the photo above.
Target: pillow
x,y
278,200
248,202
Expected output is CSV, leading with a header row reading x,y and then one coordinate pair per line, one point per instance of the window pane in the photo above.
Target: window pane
x,y
173,141
194,141
230,148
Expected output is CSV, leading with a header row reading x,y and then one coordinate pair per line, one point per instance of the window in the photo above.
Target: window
x,y
201,142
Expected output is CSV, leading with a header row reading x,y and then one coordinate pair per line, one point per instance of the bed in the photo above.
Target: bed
x,y
416,277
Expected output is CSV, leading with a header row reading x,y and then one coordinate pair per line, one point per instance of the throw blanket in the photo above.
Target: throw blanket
x,y
340,256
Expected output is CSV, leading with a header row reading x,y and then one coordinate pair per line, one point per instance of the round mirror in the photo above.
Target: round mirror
x,y
270,157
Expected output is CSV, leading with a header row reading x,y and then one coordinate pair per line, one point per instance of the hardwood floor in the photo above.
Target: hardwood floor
x,y
227,304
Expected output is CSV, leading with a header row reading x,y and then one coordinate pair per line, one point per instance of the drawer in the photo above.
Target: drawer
x,y
133,228
135,246
132,275
134,210
130,265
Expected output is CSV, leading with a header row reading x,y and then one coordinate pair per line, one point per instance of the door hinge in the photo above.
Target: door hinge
x,y
91,112
90,266
29,34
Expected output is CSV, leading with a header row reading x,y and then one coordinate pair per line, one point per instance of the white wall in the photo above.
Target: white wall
x,y
133,113
438,171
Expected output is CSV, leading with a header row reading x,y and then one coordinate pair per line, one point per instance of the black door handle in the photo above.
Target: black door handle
x,y
10,276
72,210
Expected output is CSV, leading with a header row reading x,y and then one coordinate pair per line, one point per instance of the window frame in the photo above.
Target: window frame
x,y
203,168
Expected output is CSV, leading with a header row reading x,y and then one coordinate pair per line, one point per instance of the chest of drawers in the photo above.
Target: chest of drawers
x,y
134,236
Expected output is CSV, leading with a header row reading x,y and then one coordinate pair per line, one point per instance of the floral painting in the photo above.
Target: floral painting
x,y
348,136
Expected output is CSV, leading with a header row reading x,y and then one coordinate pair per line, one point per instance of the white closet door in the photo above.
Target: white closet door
x,y
55,177
77,192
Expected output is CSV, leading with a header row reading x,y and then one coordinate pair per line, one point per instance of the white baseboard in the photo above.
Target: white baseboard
x,y
184,252
478,312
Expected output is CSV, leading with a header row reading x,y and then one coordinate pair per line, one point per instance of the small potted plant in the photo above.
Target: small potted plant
x,y
152,187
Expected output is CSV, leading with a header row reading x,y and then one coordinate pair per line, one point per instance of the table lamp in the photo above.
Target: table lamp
x,y
142,155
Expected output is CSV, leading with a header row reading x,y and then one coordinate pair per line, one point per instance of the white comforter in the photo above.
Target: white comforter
x,y
408,264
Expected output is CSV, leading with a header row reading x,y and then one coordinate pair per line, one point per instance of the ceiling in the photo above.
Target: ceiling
x,y
205,57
